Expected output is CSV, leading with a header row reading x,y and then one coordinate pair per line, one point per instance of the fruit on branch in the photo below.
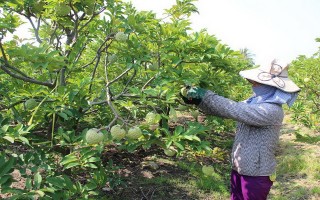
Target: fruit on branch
x,y
171,151
134,133
121,37
151,118
153,66
94,136
207,170
117,132
153,127
30,104
62,9
112,58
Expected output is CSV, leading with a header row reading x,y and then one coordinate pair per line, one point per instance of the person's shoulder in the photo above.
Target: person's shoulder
x,y
271,107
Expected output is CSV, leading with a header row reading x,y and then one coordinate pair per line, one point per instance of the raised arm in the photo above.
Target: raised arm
x,y
265,114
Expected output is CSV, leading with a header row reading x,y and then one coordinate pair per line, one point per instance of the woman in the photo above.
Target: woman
x,y
259,120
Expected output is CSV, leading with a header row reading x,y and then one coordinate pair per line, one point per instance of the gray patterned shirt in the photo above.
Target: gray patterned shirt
x,y
257,134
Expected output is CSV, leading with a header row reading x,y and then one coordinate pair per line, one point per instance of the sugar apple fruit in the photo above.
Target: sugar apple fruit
x,y
30,104
207,170
62,9
117,132
121,37
153,66
134,133
94,136
112,58
170,151
151,118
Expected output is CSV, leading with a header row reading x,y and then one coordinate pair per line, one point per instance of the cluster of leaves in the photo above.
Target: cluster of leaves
x,y
307,109
81,76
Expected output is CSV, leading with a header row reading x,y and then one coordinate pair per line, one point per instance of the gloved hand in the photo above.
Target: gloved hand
x,y
192,95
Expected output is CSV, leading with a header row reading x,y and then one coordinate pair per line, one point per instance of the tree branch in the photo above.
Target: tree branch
x,y
36,29
26,79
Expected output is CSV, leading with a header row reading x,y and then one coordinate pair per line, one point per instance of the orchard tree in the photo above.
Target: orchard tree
x,y
92,68
307,110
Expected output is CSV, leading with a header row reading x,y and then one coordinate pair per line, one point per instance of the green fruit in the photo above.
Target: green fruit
x,y
121,37
151,118
112,58
134,133
184,91
153,67
208,170
62,9
153,126
170,151
117,132
94,136
30,104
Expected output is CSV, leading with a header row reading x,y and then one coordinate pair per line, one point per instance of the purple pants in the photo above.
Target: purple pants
x,y
249,187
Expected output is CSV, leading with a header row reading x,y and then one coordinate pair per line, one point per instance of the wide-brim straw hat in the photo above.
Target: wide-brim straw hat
x,y
275,75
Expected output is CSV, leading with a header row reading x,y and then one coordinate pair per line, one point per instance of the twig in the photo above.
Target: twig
x,y
148,82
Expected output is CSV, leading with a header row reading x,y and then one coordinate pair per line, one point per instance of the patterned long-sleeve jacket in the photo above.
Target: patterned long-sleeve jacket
x,y
257,134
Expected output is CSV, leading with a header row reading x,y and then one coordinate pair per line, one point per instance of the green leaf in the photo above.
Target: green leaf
x,y
179,145
40,193
24,140
69,183
63,115
7,166
178,130
9,138
58,182
93,159
37,180
5,128
68,159
91,186
90,165
87,153
4,179
48,189
29,184
71,164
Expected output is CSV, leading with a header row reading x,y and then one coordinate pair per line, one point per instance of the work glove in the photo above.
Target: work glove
x,y
192,95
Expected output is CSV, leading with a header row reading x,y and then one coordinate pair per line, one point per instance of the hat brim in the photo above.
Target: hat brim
x,y
252,74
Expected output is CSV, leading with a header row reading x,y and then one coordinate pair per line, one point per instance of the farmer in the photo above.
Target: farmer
x,y
259,120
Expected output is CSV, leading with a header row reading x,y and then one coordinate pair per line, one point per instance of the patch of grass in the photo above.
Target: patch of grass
x,y
216,184
307,138
316,190
291,165
298,167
